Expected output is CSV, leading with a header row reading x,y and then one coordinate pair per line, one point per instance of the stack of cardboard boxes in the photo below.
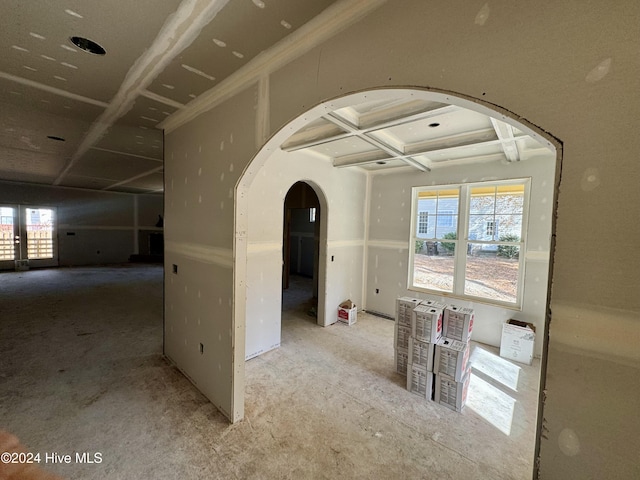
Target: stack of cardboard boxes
x,y
432,349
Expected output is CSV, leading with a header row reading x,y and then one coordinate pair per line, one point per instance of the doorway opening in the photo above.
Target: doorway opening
x,y
28,237
409,130
301,250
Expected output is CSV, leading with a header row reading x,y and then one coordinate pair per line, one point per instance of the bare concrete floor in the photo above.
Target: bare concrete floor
x,y
81,370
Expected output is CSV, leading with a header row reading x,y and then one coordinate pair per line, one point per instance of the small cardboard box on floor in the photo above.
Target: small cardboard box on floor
x,y
347,312
426,322
458,323
518,341
451,358
450,393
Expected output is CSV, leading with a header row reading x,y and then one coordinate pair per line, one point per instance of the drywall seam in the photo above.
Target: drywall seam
x,y
335,18
262,112
54,90
128,154
365,251
345,243
161,99
263,247
78,189
580,327
388,244
180,30
142,175
222,257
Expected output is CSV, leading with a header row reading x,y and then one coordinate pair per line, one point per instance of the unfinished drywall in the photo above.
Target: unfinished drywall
x,y
570,69
389,232
93,227
342,196
203,162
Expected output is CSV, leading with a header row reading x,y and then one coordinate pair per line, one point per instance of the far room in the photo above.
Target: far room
x,y
421,196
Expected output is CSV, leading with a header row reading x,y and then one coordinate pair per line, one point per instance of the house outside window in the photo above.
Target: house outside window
x,y
423,222
478,232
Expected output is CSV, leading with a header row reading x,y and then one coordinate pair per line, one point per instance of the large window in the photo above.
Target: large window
x,y
468,240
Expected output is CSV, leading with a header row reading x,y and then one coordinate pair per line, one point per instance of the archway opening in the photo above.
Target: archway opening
x,y
367,135
301,250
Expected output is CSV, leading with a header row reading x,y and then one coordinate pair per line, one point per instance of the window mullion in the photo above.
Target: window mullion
x,y
461,246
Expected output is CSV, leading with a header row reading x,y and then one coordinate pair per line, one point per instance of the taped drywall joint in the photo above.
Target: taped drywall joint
x,y
222,257
262,112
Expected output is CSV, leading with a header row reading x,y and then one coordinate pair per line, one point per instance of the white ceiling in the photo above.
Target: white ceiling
x,y
164,56
401,131
160,55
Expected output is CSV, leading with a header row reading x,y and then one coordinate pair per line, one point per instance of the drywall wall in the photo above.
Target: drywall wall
x,y
389,232
93,227
342,232
203,162
570,69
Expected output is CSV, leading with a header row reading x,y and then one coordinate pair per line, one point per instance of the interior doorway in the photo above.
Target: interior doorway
x,y
28,237
300,249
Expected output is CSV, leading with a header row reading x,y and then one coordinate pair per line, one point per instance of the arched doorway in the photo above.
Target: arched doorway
x,y
301,249
272,172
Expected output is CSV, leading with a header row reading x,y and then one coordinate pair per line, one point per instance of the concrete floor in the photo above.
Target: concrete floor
x,y
81,370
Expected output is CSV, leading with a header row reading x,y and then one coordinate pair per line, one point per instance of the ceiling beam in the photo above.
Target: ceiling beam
x,y
128,180
390,151
53,90
135,155
161,99
324,26
293,146
504,131
178,33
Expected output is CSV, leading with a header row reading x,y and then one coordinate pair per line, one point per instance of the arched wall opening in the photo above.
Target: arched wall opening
x,y
265,258
272,171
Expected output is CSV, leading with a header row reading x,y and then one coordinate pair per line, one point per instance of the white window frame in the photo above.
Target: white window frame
x,y
462,242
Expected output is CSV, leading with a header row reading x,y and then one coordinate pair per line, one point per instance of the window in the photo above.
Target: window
x,y
312,215
475,240
423,222
491,228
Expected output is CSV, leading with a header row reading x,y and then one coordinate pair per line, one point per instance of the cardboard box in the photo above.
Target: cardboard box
x,y
420,381
421,353
401,336
426,323
518,341
451,358
434,304
401,357
404,308
450,393
458,323
347,312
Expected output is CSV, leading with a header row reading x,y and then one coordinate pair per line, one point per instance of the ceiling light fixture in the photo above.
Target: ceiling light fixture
x,y
57,139
434,125
88,46
381,162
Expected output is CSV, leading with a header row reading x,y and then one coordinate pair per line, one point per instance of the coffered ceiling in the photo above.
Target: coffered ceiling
x,y
77,119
